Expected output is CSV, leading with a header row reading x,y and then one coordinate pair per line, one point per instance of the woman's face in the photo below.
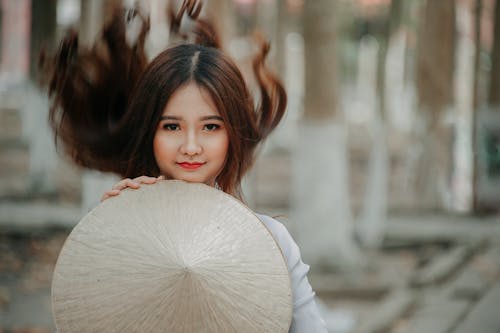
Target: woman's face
x,y
191,141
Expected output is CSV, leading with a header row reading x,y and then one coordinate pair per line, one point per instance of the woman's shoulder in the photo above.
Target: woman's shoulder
x,y
271,223
306,317
274,226
281,235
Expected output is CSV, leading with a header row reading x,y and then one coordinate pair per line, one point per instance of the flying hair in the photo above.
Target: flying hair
x,y
90,87
204,31
107,98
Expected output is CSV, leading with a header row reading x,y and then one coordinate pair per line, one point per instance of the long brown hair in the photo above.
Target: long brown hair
x,y
107,100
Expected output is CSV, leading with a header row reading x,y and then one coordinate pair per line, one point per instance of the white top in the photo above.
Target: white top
x,y
306,316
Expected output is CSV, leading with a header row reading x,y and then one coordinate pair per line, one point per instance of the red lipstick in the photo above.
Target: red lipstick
x,y
190,166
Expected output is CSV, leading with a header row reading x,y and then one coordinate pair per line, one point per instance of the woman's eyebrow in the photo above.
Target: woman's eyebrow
x,y
170,118
212,118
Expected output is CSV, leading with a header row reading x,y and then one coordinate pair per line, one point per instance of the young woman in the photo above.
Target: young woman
x,y
187,115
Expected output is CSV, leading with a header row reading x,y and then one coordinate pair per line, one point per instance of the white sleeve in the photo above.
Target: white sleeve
x,y
306,316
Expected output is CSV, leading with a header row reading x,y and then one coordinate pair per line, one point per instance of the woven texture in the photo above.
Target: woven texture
x,y
171,257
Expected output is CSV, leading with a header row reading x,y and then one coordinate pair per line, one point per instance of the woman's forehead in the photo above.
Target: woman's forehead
x,y
190,99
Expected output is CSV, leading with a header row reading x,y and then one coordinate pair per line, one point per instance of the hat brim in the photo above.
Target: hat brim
x,y
171,257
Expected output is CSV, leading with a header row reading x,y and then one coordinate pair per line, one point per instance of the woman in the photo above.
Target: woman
x,y
187,115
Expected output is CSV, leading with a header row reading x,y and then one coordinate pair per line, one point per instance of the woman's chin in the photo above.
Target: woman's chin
x,y
196,180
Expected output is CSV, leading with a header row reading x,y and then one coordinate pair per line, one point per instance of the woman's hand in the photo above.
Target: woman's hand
x,y
129,183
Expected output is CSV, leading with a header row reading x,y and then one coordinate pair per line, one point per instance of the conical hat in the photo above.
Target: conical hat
x,y
171,257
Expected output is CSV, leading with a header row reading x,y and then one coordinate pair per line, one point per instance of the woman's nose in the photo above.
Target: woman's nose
x,y
191,145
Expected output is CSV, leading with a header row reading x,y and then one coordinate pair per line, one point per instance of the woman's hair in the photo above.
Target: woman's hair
x,y
107,100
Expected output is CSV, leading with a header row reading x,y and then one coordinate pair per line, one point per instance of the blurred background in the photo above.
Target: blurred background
x,y
386,168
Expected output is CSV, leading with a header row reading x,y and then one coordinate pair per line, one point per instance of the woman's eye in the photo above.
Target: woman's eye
x,y
211,127
171,127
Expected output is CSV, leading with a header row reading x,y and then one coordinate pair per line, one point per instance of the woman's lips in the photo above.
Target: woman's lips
x,y
190,166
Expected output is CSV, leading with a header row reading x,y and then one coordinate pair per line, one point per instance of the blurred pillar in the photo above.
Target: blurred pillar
x,y
435,67
320,199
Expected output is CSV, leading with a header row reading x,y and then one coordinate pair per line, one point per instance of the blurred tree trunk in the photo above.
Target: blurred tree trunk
x,y
320,198
222,13
287,59
266,23
91,18
435,64
289,20
487,124
494,93
475,102
43,30
93,14
320,39
374,212
43,158
283,28
1,27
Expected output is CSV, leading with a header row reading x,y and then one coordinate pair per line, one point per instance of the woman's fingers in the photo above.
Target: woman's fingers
x,y
145,180
109,194
130,183
124,183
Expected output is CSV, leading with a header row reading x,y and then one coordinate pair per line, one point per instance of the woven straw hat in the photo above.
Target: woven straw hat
x,y
171,257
